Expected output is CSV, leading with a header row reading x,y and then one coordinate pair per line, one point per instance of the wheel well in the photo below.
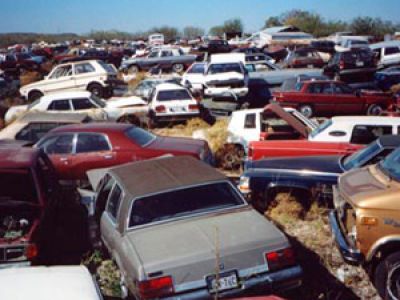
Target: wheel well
x,y
34,91
382,252
93,83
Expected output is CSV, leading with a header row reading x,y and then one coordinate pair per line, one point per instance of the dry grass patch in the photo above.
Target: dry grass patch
x,y
30,77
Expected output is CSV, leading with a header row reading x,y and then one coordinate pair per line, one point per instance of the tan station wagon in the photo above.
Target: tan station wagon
x,y
178,228
366,221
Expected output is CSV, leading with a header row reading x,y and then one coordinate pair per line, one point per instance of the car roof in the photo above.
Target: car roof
x,y
166,173
37,116
169,86
93,127
45,283
389,140
14,156
66,95
385,44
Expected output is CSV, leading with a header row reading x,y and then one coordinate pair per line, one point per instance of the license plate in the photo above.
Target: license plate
x,y
225,281
177,109
359,63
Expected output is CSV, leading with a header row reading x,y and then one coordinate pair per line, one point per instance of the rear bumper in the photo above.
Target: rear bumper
x,y
19,264
282,280
350,254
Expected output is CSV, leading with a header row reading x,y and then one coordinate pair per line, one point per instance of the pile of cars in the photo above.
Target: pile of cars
x,y
96,175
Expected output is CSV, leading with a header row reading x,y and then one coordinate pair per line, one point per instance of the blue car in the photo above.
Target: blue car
x,y
386,78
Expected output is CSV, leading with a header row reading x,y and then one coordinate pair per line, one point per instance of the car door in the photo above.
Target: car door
x,y
83,74
61,78
109,219
345,101
391,55
59,148
92,151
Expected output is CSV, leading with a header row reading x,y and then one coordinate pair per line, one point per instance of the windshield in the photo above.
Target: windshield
x,y
391,165
197,69
184,202
140,136
173,95
358,158
320,128
11,186
101,103
224,68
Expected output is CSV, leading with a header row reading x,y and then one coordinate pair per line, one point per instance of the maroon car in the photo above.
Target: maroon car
x,y
32,210
333,98
75,149
303,58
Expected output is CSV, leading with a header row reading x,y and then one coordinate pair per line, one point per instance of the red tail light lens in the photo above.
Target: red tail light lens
x,y
157,287
341,64
193,107
160,108
31,251
280,259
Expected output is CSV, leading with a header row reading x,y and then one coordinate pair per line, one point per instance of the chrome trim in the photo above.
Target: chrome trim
x,y
244,204
302,171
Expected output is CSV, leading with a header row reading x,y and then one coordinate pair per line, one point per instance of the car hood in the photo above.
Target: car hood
x,y
221,77
289,118
368,187
177,144
188,249
327,164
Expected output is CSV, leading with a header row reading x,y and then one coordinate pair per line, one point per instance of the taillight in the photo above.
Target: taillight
x,y
341,64
31,251
280,259
193,107
157,287
160,108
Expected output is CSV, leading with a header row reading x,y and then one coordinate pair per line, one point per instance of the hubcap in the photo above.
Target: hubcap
x,y
306,111
393,282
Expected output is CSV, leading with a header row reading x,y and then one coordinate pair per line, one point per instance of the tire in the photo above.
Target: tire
x,y
133,69
374,110
34,95
232,158
306,110
387,277
177,68
96,89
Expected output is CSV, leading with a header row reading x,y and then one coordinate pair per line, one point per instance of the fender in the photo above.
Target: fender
x,y
379,244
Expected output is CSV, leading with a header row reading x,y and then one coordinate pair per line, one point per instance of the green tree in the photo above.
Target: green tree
x,y
191,32
272,22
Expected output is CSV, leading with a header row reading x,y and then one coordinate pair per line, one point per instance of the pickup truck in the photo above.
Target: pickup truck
x,y
329,98
165,58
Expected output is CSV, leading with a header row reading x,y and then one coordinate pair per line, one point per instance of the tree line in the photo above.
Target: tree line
x,y
306,21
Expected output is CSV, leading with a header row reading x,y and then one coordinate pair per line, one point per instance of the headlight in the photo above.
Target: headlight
x,y
244,184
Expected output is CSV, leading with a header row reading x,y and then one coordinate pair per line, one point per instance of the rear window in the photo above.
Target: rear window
x,y
11,187
140,136
223,68
184,202
106,67
173,95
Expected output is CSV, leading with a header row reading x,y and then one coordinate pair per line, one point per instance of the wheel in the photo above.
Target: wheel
x,y
96,89
306,110
387,277
177,68
232,157
374,110
34,95
133,69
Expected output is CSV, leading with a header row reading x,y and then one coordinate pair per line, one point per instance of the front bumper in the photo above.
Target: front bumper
x,y
218,91
350,254
286,279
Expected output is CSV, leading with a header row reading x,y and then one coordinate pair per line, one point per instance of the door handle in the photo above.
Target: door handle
x,y
64,159
108,156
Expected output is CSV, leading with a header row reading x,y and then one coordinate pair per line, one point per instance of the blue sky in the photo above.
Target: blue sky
x,y
82,16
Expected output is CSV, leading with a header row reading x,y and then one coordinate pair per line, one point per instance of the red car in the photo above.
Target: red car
x,y
75,149
332,98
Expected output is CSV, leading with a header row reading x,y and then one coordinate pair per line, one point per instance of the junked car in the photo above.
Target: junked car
x,y
187,233
365,222
75,149
313,176
171,103
46,283
121,109
95,76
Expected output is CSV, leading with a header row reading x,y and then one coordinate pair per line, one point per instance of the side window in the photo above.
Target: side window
x,y
58,144
114,201
315,88
250,121
364,134
166,53
327,89
62,72
392,50
84,68
82,103
90,142
59,105
104,191
35,131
